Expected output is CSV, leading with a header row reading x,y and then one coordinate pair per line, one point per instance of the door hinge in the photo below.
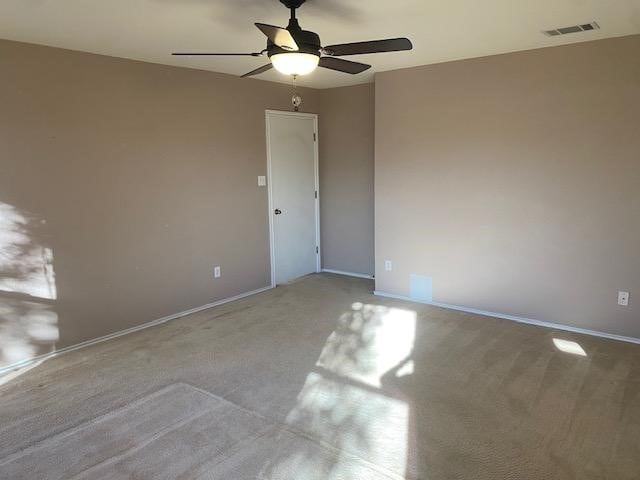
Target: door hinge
x,y
317,250
314,136
316,194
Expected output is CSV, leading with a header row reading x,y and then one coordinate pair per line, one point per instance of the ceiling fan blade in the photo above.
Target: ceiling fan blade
x,y
373,46
262,69
346,66
278,36
255,54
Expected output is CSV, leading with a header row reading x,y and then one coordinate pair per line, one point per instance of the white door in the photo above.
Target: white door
x,y
293,174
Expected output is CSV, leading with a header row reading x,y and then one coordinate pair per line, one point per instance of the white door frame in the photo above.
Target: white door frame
x,y
316,175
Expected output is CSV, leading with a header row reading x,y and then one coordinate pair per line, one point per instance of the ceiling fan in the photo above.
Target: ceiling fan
x,y
294,51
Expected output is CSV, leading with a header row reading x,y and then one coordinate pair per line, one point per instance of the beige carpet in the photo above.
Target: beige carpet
x,y
321,380
180,432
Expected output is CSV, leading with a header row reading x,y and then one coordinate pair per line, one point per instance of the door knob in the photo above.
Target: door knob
x,y
277,211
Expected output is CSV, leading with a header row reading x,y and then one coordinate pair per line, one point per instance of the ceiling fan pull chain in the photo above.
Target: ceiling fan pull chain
x,y
296,100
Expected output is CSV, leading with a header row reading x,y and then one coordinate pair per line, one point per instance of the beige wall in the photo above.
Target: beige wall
x,y
346,178
121,185
514,182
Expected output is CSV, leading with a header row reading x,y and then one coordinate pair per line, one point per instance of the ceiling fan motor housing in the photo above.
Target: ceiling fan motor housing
x,y
307,41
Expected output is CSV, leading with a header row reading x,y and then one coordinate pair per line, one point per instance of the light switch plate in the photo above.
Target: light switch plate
x,y
262,181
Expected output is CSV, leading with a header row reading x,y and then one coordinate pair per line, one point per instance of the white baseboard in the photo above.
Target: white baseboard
x,y
529,321
348,274
120,333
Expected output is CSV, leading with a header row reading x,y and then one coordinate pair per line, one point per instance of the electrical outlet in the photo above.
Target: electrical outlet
x,y
388,266
623,298
217,273
262,181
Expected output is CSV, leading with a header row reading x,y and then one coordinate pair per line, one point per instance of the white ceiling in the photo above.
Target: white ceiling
x,y
441,30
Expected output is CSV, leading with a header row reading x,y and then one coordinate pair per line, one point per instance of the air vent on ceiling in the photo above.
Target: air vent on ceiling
x,y
572,29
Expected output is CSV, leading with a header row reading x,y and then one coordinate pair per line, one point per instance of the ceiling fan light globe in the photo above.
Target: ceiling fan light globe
x,y
295,63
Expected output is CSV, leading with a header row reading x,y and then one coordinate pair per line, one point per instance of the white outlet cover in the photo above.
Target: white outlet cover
x,y
623,298
262,181
388,265
217,272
